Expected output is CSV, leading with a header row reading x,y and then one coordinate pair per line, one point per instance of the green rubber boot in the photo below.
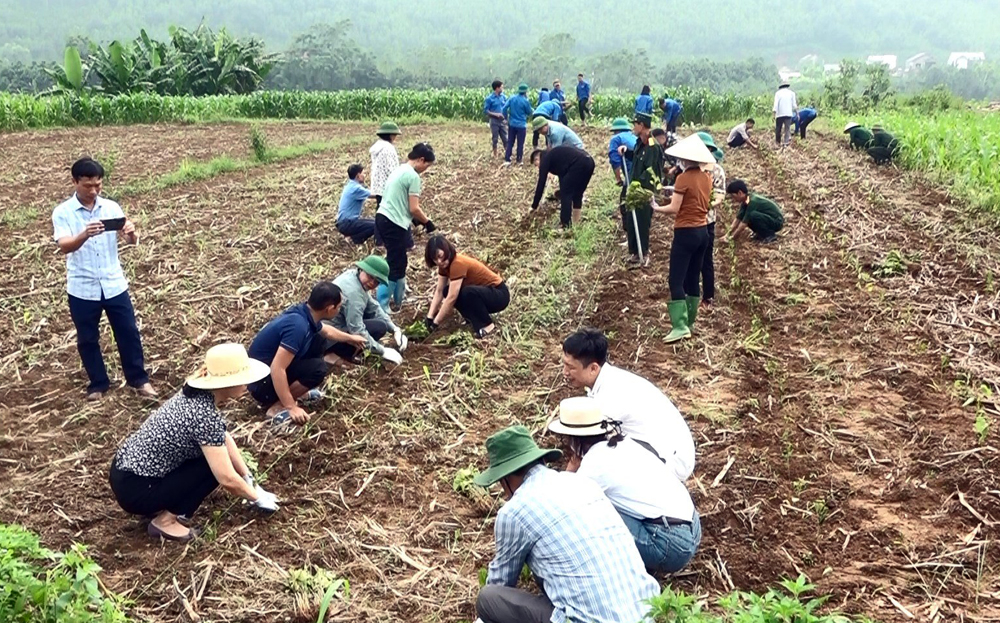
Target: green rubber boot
x,y
692,303
679,321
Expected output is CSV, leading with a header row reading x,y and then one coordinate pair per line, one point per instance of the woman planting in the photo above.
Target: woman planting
x,y
653,503
690,204
182,452
574,167
395,216
466,284
384,158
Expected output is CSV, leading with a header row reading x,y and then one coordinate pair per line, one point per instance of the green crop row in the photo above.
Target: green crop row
x,y
18,112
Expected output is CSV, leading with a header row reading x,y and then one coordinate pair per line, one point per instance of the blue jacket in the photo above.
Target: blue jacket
x,y
517,111
804,116
550,110
644,103
494,103
622,138
671,109
544,96
583,90
558,95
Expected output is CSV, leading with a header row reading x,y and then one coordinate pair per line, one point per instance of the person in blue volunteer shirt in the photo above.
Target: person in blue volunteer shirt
x,y
352,201
802,119
671,114
493,108
621,134
550,110
556,134
644,103
583,97
559,96
544,95
517,110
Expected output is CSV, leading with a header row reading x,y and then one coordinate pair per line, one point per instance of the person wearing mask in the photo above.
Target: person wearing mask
x,y
718,177
883,147
517,110
183,452
621,135
645,412
583,97
672,110
755,212
352,200
384,157
396,216
360,315
555,133
860,137
802,119
87,228
574,167
652,501
493,109
566,530
464,284
647,169
690,204
784,109
740,134
550,110
644,103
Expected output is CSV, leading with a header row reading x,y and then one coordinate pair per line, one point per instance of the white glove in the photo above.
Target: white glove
x,y
265,500
392,356
401,341
248,479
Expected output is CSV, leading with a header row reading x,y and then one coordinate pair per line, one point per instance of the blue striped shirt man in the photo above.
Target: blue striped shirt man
x,y
563,526
94,268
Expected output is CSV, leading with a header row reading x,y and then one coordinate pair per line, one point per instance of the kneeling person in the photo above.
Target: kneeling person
x,y
466,284
352,202
755,212
361,315
291,347
883,147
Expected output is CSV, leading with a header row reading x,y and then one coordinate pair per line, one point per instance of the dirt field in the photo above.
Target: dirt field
x,y
825,387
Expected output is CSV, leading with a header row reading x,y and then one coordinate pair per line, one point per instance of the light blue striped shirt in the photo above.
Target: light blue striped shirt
x,y
94,268
563,526
559,134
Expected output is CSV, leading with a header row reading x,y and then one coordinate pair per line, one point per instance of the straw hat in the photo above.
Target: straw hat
x,y
850,126
388,127
228,365
510,450
580,416
693,149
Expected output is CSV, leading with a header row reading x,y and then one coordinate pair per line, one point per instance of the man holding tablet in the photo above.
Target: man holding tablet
x,y
86,227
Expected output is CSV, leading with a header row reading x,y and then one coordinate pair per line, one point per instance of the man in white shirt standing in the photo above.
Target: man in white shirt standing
x,y
785,107
86,229
646,414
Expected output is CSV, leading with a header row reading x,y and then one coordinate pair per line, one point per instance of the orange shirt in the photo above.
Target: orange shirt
x,y
474,272
697,190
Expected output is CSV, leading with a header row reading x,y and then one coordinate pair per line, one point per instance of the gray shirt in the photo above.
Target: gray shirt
x,y
357,305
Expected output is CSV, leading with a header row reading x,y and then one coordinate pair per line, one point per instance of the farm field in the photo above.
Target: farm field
x,y
835,390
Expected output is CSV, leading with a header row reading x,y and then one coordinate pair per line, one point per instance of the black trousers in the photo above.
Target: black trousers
x,y
782,125
359,229
376,327
86,317
180,492
572,185
802,128
687,254
584,108
395,239
476,303
563,119
708,266
308,369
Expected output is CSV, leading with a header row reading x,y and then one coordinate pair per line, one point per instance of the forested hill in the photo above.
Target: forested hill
x,y
779,31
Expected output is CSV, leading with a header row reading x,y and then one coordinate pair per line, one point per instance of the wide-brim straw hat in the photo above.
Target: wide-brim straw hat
x,y
850,126
620,124
691,148
538,123
228,365
510,450
580,416
376,266
388,127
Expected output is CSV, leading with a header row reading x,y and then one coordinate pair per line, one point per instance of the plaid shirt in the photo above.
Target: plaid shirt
x,y
576,545
94,268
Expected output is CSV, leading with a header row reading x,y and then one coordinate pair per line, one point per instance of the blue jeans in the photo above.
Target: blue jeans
x,y
516,134
87,318
664,548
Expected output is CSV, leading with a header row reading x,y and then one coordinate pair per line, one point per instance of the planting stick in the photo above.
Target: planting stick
x,y
635,219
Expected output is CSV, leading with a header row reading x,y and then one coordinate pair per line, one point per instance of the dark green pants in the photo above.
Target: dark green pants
x,y
645,218
765,225
881,154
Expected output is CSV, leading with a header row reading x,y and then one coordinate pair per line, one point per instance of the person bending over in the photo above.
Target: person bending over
x,y
466,284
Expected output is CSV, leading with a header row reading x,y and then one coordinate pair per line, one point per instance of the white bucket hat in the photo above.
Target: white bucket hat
x,y
850,126
580,416
228,365
692,148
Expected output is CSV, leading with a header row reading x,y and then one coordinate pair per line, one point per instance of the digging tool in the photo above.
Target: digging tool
x,y
635,219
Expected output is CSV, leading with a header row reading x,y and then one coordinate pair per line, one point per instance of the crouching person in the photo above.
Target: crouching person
x,y
652,501
361,315
292,345
182,452
563,527
466,284
754,212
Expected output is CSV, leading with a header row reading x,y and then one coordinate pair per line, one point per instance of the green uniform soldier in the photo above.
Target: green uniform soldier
x,y
860,136
883,147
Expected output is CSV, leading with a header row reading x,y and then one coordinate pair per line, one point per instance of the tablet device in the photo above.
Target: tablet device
x,y
113,224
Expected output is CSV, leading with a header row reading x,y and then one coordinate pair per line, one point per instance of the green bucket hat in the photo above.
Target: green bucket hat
x,y
376,266
643,118
710,143
522,88
510,450
388,127
620,124
538,123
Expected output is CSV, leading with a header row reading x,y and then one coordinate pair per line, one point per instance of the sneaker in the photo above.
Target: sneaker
x,y
506,163
311,397
281,418
633,260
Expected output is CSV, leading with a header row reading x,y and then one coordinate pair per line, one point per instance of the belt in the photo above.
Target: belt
x,y
665,521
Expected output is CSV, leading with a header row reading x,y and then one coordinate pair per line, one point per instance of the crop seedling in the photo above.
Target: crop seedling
x,y
258,143
313,590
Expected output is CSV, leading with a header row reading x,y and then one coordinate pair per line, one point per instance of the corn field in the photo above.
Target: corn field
x,y
19,112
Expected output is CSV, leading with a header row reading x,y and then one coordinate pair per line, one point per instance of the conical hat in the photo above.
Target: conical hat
x,y
850,126
691,148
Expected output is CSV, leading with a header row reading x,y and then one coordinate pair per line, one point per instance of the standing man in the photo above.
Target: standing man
x,y
583,97
647,167
86,229
785,107
565,529
574,167
740,135
754,212
671,114
544,95
558,95
517,110
555,133
493,107
802,119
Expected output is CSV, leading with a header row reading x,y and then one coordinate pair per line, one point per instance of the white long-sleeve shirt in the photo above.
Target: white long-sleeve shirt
x,y
785,103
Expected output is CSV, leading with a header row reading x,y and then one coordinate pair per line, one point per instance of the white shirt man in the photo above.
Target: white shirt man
x,y
785,104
